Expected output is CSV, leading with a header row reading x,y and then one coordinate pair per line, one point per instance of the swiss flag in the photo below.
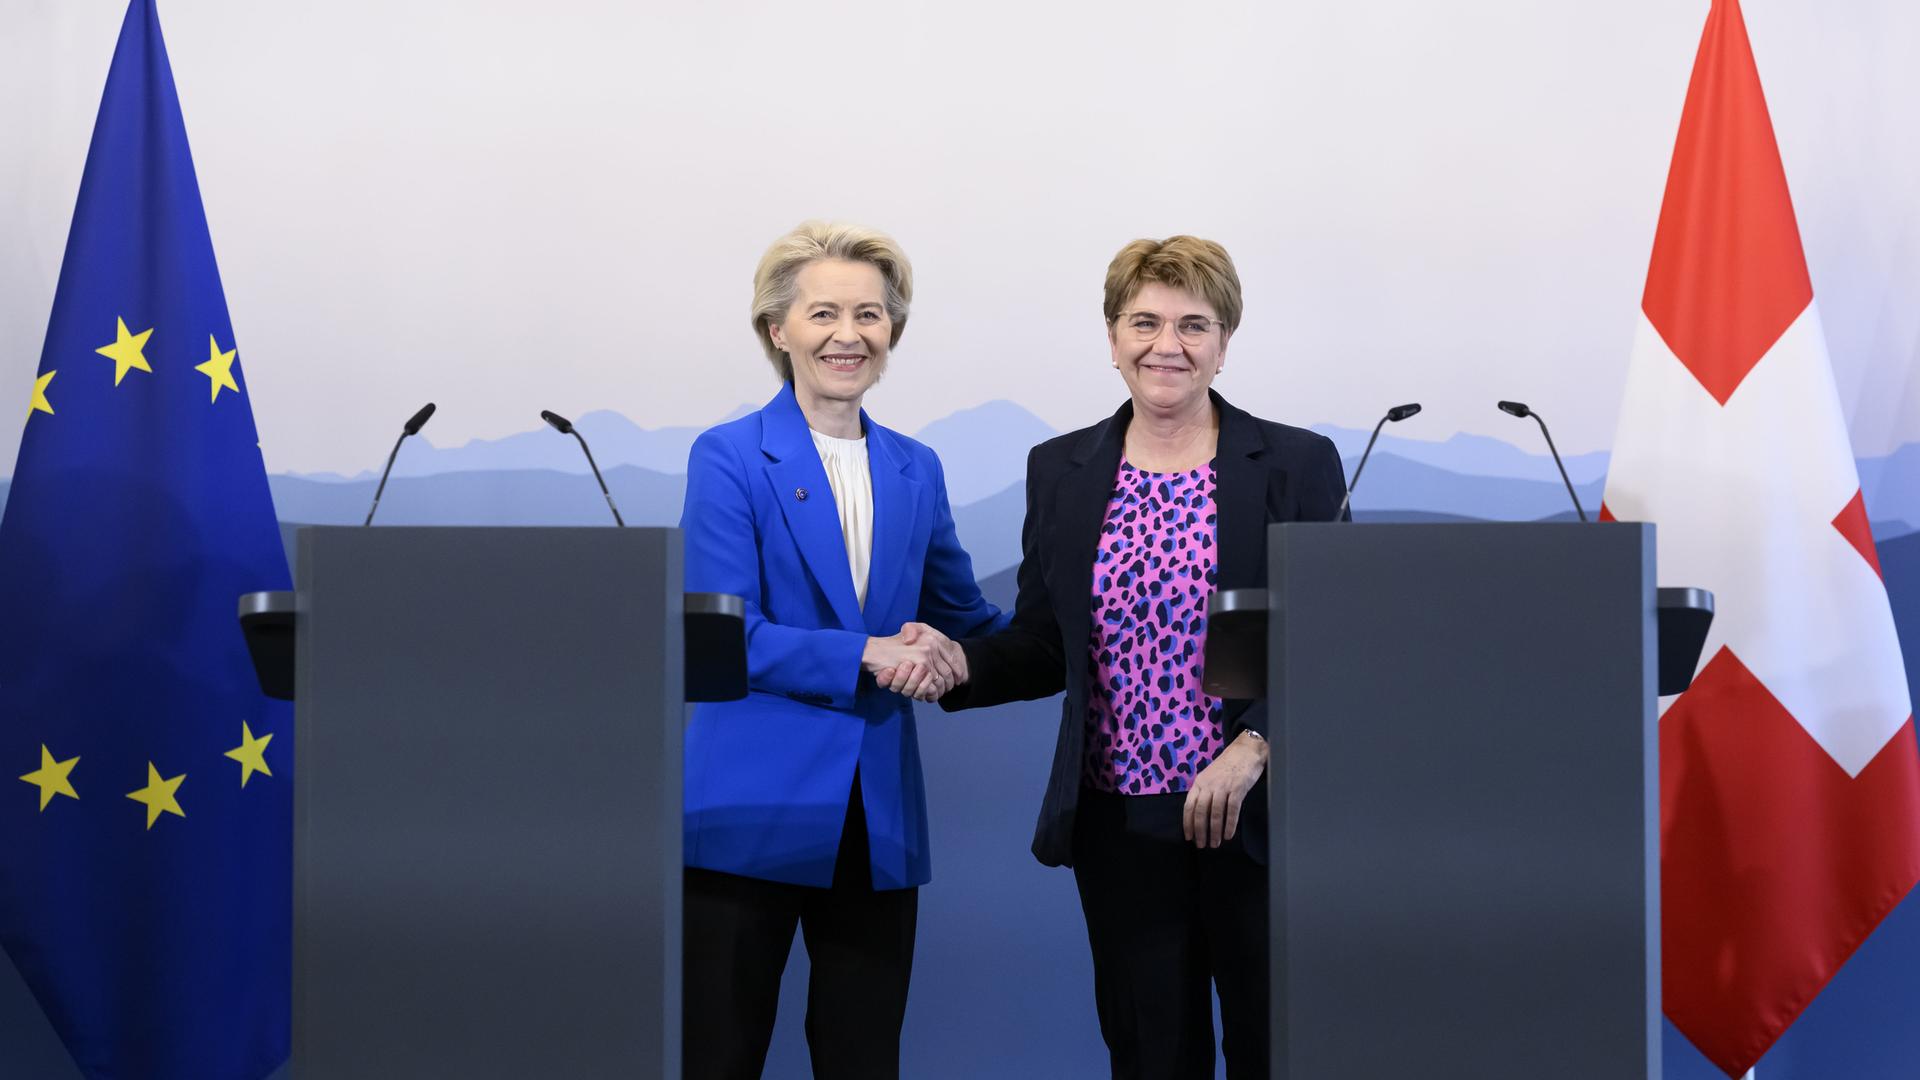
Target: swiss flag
x,y
1789,781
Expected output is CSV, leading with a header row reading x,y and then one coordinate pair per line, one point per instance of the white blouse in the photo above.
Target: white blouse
x,y
852,482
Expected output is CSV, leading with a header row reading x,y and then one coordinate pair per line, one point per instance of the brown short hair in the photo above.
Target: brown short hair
x,y
773,279
1189,263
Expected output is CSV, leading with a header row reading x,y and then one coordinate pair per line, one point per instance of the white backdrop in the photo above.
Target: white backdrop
x,y
504,206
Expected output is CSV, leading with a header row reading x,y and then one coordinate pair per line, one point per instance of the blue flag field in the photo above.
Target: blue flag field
x,y
145,822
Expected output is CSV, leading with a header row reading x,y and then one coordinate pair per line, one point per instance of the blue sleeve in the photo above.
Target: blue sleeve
x,y
950,599
723,555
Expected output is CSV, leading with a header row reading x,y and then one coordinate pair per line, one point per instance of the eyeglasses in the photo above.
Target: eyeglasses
x,y
1190,329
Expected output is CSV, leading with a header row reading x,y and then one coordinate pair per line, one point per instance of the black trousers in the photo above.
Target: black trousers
x,y
1169,923
738,932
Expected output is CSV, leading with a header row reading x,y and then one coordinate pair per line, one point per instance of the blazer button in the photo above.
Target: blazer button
x,y
800,493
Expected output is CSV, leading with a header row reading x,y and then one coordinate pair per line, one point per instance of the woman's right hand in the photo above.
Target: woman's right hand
x,y
914,662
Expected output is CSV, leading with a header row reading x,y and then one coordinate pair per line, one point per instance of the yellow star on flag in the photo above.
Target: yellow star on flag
x,y
126,352
51,777
40,402
251,753
219,369
158,795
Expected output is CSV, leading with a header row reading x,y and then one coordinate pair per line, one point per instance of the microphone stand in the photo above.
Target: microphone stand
x,y
1395,414
565,427
412,427
1515,408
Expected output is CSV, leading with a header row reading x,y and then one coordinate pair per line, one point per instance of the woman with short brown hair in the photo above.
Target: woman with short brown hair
x,y
1156,797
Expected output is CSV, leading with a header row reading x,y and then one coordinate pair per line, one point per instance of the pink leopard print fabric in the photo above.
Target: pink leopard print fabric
x,y
1150,729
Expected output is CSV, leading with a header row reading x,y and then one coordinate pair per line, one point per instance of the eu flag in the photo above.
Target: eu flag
x,y
145,818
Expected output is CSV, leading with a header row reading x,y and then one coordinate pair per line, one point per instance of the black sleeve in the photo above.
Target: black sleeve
x,y
1327,484
1025,660
1324,486
1239,716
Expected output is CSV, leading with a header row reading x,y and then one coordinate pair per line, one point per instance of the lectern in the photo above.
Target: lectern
x,y
1464,799
487,803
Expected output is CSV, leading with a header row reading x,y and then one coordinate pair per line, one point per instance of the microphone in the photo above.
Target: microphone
x,y
420,419
412,427
565,427
1395,414
1515,408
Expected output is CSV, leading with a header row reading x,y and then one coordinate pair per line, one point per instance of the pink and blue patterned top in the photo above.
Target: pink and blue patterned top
x,y
1150,728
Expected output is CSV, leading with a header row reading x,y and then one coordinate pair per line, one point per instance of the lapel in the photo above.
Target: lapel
x,y
896,497
793,466
1085,492
1242,476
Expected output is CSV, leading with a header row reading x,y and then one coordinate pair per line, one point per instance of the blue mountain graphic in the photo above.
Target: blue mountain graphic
x,y
539,477
984,449
493,497
615,439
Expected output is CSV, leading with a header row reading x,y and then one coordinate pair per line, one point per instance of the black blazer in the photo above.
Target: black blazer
x,y
1265,472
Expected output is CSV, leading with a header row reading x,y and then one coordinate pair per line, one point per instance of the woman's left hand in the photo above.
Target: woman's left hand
x,y
1212,812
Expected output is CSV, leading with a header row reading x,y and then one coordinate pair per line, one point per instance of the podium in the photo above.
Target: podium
x,y
487,804
1464,799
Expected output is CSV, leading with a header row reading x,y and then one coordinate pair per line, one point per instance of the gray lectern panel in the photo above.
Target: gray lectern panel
x,y
1465,861
487,849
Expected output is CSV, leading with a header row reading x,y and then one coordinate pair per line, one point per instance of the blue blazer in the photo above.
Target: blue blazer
x,y
768,777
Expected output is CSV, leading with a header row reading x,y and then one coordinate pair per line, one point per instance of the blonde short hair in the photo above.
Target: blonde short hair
x,y
1188,263
773,279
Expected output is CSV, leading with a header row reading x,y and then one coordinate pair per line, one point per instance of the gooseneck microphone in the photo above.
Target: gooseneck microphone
x,y
412,427
1395,414
565,427
1515,408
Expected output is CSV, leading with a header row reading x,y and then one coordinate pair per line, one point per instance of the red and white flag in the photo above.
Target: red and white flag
x,y
1789,781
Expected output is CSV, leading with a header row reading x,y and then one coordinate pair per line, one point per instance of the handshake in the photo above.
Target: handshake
x,y
918,662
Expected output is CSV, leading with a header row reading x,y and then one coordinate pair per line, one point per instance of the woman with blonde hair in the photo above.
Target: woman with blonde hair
x,y
805,805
